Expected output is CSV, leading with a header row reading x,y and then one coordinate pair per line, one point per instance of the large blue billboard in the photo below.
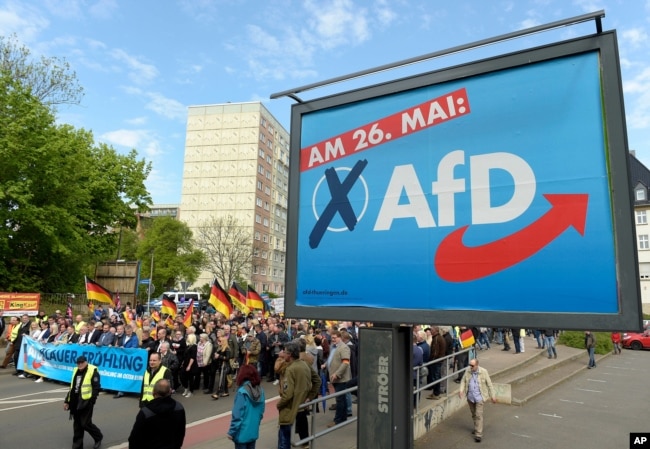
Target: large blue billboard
x,y
493,189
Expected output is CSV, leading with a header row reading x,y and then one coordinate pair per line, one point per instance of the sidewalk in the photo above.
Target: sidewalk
x,y
210,433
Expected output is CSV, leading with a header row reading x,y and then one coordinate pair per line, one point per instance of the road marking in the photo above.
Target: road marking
x,y
551,416
58,390
521,435
620,367
32,402
592,391
574,402
596,380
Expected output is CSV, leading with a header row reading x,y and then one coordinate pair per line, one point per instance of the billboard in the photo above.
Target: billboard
x,y
491,193
17,304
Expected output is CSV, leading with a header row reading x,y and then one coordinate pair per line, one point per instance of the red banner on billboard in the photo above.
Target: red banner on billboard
x,y
15,304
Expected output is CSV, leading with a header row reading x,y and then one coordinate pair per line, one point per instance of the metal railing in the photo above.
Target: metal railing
x,y
417,390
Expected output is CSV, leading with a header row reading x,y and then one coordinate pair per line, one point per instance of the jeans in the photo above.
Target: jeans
x,y
483,340
592,360
550,346
250,445
284,436
341,404
437,374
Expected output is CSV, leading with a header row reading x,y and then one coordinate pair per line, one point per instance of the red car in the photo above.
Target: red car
x,y
634,340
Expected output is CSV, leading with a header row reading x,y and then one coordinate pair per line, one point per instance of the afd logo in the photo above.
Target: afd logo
x,y
453,261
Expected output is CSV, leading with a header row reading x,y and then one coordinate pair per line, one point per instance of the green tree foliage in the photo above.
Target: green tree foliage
x,y
50,80
576,339
175,258
61,196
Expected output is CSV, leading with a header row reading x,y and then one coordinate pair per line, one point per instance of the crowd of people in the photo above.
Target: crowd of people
x,y
217,355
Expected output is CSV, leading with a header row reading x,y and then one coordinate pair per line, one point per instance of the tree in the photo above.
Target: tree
x,y
175,257
50,80
228,246
61,196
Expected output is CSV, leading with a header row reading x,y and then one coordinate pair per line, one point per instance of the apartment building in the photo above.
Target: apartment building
x,y
237,163
640,182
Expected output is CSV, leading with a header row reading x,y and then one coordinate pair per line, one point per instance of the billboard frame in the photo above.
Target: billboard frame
x,y
628,317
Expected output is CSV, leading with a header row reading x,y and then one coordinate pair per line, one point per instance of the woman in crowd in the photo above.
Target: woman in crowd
x,y
204,361
222,358
189,369
247,410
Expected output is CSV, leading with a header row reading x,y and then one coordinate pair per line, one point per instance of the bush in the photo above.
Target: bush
x,y
576,339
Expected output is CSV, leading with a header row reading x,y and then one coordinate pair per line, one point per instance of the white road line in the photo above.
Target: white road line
x,y
591,391
58,390
551,416
573,402
620,367
521,435
30,404
596,380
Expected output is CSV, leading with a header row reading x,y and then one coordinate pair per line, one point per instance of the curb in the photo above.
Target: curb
x,y
521,402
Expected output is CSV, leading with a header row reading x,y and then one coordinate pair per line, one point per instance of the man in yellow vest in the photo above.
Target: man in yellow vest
x,y
12,335
80,401
153,374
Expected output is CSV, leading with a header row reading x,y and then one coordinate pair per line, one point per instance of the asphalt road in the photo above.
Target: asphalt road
x,y
595,409
33,413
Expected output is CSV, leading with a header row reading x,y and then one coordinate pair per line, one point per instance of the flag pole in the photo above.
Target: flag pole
x,y
149,286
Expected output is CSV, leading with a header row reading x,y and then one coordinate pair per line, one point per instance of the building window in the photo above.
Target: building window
x,y
261,153
644,271
643,241
640,194
260,169
258,201
265,238
266,222
255,269
259,185
267,190
258,219
256,252
641,217
257,235
264,255
263,271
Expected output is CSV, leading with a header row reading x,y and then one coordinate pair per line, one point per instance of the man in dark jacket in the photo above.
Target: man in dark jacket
x,y
80,401
437,350
163,412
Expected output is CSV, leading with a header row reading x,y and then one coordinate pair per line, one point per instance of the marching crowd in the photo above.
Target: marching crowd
x,y
215,355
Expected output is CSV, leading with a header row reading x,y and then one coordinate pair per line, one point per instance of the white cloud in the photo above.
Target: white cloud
x,y
635,37
167,107
103,9
638,116
24,20
144,141
589,5
68,9
337,23
137,121
139,72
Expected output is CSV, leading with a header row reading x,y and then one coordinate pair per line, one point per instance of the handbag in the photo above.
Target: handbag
x,y
234,364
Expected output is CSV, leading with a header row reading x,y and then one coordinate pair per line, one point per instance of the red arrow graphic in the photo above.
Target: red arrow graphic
x,y
455,262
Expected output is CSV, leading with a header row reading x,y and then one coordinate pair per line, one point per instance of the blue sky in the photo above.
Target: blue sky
x,y
143,62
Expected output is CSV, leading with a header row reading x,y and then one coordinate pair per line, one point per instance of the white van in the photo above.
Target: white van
x,y
182,299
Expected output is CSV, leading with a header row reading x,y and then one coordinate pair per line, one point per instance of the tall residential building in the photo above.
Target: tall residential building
x,y
237,163
640,183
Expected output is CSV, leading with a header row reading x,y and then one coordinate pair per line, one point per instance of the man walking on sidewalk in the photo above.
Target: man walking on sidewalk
x,y
477,386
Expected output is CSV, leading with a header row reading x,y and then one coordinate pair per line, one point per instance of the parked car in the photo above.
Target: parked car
x,y
636,340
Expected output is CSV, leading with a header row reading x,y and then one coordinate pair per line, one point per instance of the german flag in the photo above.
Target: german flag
x,y
138,322
268,309
155,315
253,300
238,297
96,292
467,339
188,314
169,322
127,317
220,300
169,307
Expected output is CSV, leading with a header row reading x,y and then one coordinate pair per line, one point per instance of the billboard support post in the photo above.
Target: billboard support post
x,y
386,402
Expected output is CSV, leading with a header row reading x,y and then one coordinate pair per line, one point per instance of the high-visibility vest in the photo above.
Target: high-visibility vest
x,y
86,385
78,325
14,332
147,390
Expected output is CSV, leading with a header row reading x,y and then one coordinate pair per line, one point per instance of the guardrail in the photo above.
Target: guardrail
x,y
311,439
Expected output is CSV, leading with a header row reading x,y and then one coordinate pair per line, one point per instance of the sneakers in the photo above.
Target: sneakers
x,y
332,424
39,380
22,376
188,395
275,382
